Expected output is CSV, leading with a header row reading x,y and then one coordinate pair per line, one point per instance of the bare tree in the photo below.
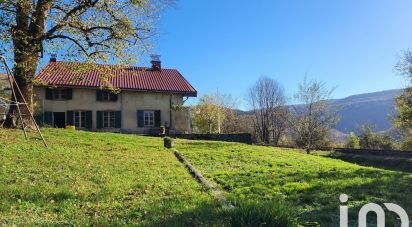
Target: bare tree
x,y
267,100
313,118
93,30
280,123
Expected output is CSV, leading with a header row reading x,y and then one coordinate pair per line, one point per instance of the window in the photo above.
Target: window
x,y
80,119
109,119
106,96
149,119
59,93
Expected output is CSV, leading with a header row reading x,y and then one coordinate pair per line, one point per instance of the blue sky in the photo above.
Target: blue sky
x,y
228,44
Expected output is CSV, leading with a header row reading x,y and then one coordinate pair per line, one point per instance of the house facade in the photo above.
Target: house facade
x,y
112,98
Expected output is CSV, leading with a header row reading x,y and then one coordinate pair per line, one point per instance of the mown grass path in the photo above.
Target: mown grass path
x,y
311,185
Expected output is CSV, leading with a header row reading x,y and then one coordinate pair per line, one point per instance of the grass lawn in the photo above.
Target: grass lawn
x,y
310,184
113,179
97,179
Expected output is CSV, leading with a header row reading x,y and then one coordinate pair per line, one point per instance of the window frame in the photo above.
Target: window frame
x,y
107,96
151,119
109,119
58,94
82,117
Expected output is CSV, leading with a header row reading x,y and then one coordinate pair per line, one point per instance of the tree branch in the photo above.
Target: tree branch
x,y
74,11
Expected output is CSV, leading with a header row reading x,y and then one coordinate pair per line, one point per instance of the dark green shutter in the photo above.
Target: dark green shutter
x,y
39,119
68,94
48,118
140,118
99,95
158,120
49,93
89,120
113,97
99,120
70,118
118,119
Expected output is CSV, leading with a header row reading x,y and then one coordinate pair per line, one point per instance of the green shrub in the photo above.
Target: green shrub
x,y
368,139
262,213
169,139
353,141
406,144
378,141
168,142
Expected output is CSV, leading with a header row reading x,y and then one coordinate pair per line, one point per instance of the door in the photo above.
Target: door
x,y
59,119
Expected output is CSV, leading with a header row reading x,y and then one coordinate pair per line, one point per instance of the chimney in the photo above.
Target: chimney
x,y
53,58
156,63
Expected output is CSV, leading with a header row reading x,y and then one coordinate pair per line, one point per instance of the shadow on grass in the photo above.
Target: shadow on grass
x,y
382,162
315,195
246,213
205,214
381,188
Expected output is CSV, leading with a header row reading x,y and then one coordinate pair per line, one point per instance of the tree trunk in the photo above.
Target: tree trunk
x,y
23,77
24,71
27,36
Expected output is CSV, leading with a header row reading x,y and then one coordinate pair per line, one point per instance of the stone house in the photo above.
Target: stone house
x,y
112,98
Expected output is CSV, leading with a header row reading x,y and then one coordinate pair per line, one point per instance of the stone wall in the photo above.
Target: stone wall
x,y
239,137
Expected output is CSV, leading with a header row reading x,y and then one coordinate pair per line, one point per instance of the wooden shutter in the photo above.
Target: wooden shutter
x,y
68,94
48,118
140,118
49,93
89,120
158,120
70,117
118,119
113,97
99,95
99,119
39,119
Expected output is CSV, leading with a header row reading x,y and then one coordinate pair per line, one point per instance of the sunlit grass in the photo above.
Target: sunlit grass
x,y
310,184
112,179
97,179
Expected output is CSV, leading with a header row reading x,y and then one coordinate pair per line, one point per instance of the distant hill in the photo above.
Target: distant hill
x,y
373,108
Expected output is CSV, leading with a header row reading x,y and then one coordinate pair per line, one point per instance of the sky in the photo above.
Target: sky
x,y
227,45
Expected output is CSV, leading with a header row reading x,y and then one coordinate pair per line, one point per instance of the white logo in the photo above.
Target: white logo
x,y
372,207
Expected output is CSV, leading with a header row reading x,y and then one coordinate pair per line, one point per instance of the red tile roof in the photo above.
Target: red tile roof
x,y
73,74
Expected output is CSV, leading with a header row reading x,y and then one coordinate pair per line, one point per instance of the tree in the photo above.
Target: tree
x,y
368,139
353,141
267,100
280,123
233,122
214,113
313,118
403,118
92,30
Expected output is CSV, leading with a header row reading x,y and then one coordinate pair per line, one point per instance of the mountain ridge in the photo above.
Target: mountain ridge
x,y
375,108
